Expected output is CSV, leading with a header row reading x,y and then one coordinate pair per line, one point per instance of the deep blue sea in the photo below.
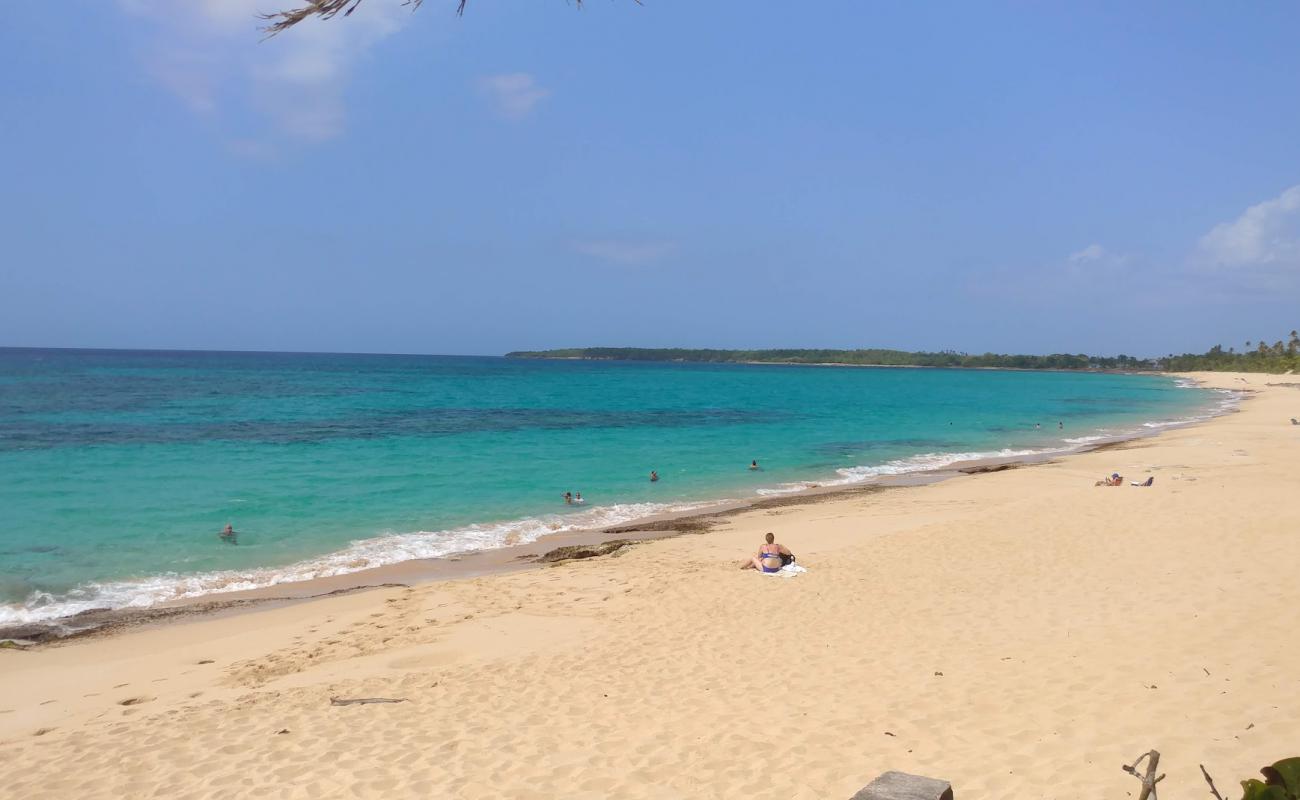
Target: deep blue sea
x,y
118,469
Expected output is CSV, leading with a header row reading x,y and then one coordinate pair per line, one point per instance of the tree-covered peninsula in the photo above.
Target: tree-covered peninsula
x,y
1256,357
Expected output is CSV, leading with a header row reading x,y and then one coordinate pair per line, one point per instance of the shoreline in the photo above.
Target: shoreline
x,y
703,516
1016,630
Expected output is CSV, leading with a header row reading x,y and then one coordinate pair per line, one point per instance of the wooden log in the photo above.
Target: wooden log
x,y
902,786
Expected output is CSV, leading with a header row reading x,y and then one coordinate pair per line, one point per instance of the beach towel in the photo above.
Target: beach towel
x,y
788,571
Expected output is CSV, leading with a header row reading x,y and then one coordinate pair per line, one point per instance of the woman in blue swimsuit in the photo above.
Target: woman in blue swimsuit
x,y
769,556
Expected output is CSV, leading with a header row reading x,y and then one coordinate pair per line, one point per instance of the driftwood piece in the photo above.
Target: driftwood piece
x,y
902,786
1213,790
1149,780
361,701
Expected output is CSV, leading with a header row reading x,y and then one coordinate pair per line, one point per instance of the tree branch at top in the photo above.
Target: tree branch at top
x,y
280,21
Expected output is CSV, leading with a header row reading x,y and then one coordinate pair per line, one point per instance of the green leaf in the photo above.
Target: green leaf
x,y
1284,773
1258,790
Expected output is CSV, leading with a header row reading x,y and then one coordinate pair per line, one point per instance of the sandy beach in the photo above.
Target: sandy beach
x,y
1018,633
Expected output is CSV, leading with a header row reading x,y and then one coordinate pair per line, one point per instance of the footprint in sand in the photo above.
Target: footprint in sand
x,y
42,731
133,701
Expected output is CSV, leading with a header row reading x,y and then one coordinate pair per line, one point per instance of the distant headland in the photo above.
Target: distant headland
x,y
1278,357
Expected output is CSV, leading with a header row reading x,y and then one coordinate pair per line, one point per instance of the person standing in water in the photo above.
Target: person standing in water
x,y
753,464
654,476
577,499
568,498
228,534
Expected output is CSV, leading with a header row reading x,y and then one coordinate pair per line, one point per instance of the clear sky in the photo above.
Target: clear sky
x,y
1028,177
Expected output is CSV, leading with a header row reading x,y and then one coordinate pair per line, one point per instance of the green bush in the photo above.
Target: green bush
x,y
1281,782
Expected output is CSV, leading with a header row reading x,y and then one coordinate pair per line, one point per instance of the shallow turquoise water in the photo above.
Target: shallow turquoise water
x,y
117,469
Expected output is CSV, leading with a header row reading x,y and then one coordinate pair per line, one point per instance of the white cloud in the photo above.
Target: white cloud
x,y
1093,252
514,94
1093,263
1267,234
212,55
624,252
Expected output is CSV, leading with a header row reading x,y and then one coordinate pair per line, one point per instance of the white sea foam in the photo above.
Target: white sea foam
x,y
925,462
360,555
1228,401
1086,439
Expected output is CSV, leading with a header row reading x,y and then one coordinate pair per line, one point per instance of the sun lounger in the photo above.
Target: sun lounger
x,y
1146,482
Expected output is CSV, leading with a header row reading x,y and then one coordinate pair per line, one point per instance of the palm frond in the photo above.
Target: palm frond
x,y
325,9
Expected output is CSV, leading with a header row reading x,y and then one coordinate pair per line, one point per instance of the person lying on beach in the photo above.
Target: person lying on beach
x,y
770,556
229,535
1115,479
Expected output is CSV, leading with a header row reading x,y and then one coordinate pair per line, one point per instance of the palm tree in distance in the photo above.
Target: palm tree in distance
x,y
327,9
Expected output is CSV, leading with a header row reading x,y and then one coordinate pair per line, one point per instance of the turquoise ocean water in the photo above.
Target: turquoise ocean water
x,y
117,469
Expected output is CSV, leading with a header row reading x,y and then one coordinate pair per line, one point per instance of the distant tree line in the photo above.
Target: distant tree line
x,y
1277,357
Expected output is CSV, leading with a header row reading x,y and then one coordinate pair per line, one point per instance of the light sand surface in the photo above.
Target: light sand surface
x,y
1019,633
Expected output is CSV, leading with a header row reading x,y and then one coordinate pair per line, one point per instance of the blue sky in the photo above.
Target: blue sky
x,y
1011,177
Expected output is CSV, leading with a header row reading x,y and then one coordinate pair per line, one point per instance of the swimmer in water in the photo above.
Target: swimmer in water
x,y
753,465
568,498
577,499
229,535
654,476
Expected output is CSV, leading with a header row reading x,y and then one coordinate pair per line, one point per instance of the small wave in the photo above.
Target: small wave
x,y
1229,401
924,463
1086,439
786,488
902,466
360,555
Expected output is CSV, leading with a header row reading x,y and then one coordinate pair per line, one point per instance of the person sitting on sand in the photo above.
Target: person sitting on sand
x,y
770,556
1115,479
229,535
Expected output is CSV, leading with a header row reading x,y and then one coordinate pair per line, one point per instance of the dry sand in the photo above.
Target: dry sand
x,y
1020,633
